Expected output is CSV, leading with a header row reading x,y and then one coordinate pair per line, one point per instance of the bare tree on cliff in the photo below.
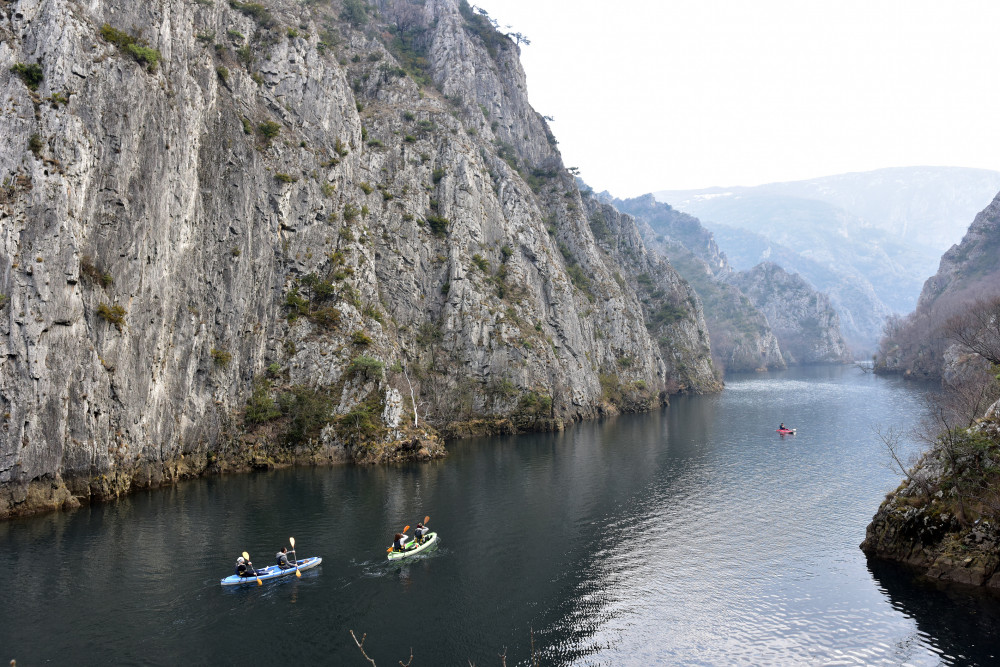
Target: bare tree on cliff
x,y
978,329
890,438
969,455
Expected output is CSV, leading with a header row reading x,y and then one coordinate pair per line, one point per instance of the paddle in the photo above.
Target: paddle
x,y
404,532
295,556
250,565
426,519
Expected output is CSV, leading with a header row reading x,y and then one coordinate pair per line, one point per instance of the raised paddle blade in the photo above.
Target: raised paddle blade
x,y
406,529
426,519
246,556
291,540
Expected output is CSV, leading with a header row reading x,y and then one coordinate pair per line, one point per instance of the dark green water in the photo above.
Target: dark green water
x,y
695,535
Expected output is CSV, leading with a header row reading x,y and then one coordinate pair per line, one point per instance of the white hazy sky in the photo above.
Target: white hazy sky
x,y
673,94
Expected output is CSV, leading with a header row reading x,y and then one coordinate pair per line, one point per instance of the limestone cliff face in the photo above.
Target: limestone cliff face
x,y
742,339
970,266
223,225
969,271
680,228
807,327
671,308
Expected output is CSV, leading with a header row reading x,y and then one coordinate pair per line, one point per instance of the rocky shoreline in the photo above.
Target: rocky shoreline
x,y
262,449
244,454
934,545
939,521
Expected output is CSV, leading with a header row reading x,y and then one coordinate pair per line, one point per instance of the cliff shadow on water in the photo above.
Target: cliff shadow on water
x,y
960,622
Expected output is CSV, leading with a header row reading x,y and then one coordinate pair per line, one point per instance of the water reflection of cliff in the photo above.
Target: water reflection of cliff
x,y
573,497
962,625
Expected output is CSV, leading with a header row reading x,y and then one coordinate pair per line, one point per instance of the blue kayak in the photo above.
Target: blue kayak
x,y
271,572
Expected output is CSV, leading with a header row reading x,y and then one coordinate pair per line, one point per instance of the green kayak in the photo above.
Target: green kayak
x,y
411,547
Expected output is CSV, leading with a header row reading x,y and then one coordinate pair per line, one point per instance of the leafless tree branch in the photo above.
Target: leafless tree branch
x,y
361,646
890,438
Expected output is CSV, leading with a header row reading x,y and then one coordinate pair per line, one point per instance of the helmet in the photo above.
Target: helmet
x,y
240,560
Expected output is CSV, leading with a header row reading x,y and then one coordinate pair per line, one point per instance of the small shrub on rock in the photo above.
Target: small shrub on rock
x,y
308,410
261,407
31,74
138,48
268,130
481,263
438,225
35,144
113,314
534,403
255,10
221,357
368,367
359,337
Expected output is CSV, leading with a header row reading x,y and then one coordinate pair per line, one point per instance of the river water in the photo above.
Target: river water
x,y
695,535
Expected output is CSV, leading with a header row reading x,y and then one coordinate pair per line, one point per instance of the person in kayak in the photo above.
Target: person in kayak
x,y
782,427
399,541
419,533
245,569
282,557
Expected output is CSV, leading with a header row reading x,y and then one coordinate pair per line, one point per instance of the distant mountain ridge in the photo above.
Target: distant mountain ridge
x,y
861,312
869,239
763,318
930,205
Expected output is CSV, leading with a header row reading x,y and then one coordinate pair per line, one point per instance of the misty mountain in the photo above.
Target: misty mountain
x,y
853,236
806,325
862,313
759,319
925,206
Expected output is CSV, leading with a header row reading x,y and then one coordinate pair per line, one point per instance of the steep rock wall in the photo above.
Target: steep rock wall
x,y
742,339
807,327
915,345
272,213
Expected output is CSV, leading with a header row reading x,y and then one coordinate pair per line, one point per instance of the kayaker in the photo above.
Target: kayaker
x,y
420,532
282,557
399,541
782,427
245,569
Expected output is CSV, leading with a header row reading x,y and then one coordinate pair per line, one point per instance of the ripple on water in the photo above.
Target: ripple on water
x,y
691,536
